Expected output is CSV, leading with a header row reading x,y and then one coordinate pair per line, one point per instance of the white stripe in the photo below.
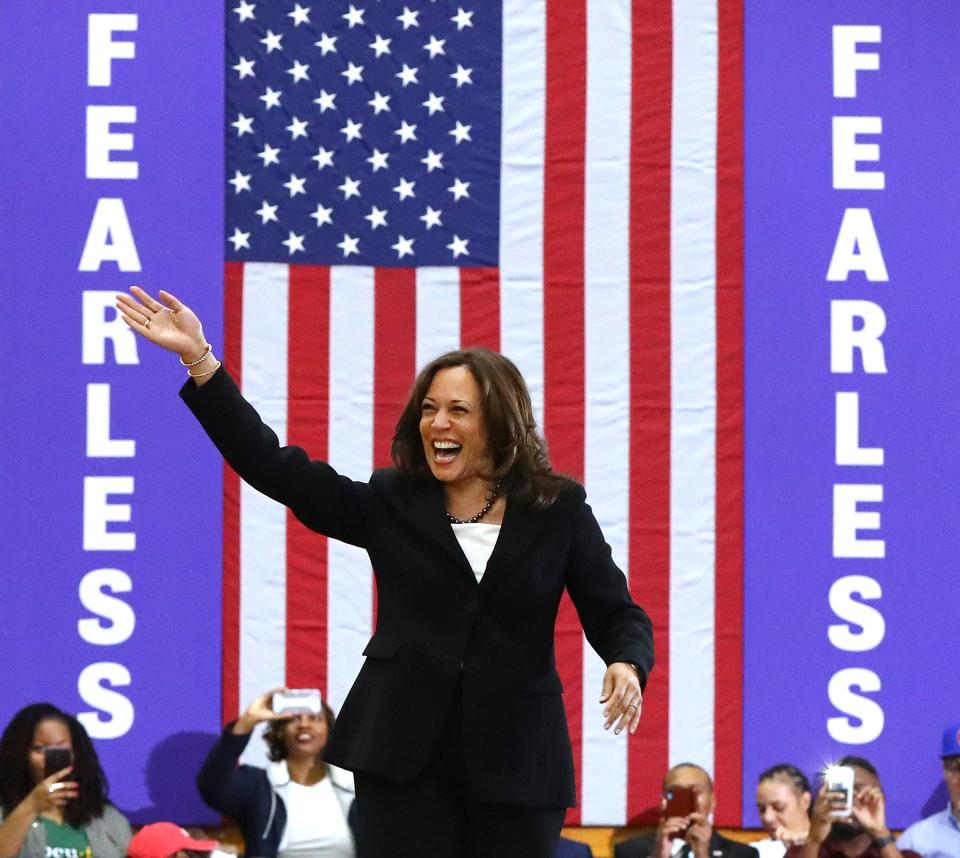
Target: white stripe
x,y
438,313
521,191
607,361
693,381
350,583
263,529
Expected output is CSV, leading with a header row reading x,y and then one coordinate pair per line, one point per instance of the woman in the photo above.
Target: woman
x,y
66,810
298,805
455,726
784,797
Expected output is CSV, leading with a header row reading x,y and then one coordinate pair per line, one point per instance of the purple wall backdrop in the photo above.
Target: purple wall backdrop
x,y
793,214
175,211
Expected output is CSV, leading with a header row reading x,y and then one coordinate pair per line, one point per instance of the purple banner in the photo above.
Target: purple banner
x,y
852,463
111,144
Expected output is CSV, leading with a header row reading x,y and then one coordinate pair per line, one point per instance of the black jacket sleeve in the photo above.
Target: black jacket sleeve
x,y
225,786
322,499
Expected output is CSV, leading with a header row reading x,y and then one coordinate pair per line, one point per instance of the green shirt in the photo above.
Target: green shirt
x,y
65,841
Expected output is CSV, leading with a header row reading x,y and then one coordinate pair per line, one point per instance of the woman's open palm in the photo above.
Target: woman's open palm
x,y
172,324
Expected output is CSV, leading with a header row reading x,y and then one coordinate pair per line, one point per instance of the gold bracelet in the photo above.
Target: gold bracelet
x,y
208,372
200,359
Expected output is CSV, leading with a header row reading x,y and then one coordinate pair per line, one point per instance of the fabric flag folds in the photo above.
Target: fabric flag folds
x,y
555,180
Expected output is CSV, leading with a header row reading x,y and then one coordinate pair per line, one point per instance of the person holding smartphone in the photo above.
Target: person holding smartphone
x,y
455,727
53,792
299,806
685,828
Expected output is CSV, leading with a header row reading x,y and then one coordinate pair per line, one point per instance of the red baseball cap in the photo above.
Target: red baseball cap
x,y
163,839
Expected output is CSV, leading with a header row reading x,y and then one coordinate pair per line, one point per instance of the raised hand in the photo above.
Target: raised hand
x,y
870,811
622,696
53,792
172,324
261,709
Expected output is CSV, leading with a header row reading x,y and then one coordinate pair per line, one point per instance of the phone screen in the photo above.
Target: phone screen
x,y
55,760
681,801
296,700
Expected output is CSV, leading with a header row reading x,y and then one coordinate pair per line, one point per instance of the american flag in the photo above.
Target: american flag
x,y
555,179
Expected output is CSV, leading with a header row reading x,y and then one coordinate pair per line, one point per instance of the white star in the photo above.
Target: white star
x,y
431,217
324,158
462,19
461,132
462,75
404,189
245,10
267,213
322,215
354,16
433,160
297,128
407,75
270,98
244,68
404,247
295,185
435,46
379,103
352,130
353,73
298,71
269,155
434,103
350,188
408,19
377,217
300,15
240,182
406,131
239,239
243,124
272,42
459,189
349,245
378,160
327,44
459,246
380,45
325,101
293,243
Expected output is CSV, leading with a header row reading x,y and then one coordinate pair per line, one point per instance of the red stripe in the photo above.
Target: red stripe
x,y
308,412
729,513
650,382
563,304
232,352
480,308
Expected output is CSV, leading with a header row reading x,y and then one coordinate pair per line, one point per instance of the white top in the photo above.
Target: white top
x,y
477,541
769,848
316,826
937,836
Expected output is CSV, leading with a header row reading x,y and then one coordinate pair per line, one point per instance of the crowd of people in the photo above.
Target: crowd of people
x,y
300,806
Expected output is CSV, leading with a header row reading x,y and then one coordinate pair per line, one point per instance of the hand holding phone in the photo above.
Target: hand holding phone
x,y
839,780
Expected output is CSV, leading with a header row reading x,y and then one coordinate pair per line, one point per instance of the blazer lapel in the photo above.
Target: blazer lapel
x,y
521,524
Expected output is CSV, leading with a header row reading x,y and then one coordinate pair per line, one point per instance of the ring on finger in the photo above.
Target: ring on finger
x,y
632,706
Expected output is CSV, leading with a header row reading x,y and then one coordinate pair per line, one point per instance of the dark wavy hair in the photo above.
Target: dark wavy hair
x,y
16,781
517,450
273,734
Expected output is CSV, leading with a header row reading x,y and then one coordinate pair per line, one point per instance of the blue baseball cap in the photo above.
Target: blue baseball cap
x,y
951,741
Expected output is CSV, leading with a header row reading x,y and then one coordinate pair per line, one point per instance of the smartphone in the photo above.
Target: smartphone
x,y
56,759
294,701
681,801
840,779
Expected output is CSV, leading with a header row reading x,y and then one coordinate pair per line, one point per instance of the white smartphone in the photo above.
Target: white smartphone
x,y
840,779
294,701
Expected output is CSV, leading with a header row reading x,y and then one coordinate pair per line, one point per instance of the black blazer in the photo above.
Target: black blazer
x,y
720,847
436,624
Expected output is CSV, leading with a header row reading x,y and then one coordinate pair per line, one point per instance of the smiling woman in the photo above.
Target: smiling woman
x,y
455,727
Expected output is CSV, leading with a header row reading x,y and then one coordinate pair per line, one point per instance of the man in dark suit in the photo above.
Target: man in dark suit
x,y
690,835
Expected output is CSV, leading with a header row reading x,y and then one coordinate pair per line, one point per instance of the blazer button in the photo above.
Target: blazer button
x,y
473,606
476,662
